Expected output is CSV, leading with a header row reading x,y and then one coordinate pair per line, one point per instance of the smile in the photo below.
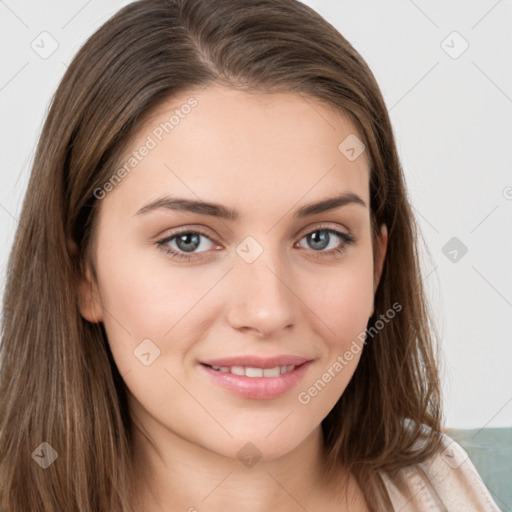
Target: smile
x,y
256,378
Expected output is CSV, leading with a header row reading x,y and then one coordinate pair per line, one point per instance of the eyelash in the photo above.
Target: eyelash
x,y
347,240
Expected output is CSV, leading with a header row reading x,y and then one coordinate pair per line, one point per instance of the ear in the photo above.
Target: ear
x,y
89,301
382,244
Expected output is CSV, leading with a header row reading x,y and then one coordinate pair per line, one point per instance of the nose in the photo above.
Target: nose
x,y
262,299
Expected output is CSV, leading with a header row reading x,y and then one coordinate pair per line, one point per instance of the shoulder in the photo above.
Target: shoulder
x,y
448,481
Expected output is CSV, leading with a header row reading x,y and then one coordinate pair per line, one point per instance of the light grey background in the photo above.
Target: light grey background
x,y
452,116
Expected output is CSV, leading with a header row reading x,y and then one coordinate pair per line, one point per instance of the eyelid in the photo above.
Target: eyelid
x,y
192,228
324,225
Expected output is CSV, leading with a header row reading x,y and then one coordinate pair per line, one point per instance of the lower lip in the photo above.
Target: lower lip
x,y
258,388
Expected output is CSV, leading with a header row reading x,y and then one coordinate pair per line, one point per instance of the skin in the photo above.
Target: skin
x,y
265,155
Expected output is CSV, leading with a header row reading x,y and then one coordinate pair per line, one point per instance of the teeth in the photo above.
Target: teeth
x,y
255,372
272,372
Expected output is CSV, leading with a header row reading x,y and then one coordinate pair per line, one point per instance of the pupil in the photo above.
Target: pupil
x,y
319,235
185,238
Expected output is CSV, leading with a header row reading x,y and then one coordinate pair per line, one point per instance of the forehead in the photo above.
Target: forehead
x,y
249,147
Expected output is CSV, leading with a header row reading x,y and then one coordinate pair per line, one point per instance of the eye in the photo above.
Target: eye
x,y
321,238
186,242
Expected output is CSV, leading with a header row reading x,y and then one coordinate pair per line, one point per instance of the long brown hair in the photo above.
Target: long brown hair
x,y
59,384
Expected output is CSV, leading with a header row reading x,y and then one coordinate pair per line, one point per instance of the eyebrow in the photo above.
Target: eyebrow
x,y
220,211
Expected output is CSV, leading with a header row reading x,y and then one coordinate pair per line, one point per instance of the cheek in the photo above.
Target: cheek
x,y
343,301
342,307
144,298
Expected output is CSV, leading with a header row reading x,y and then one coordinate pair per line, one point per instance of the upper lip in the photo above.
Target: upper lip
x,y
258,361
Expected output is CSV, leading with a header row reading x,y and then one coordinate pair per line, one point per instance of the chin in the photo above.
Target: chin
x,y
257,444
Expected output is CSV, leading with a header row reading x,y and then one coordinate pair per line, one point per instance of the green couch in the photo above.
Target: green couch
x,y
490,450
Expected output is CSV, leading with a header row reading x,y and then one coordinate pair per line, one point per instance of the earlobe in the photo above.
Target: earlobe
x,y
89,301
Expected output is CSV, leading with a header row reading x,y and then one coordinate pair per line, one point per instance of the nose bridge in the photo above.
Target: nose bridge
x,y
261,298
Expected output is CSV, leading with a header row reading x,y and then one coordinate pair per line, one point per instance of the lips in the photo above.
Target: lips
x,y
255,377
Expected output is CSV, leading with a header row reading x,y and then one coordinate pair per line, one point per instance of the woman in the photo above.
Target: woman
x,y
214,299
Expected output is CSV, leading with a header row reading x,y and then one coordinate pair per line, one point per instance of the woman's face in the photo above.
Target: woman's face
x,y
257,283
